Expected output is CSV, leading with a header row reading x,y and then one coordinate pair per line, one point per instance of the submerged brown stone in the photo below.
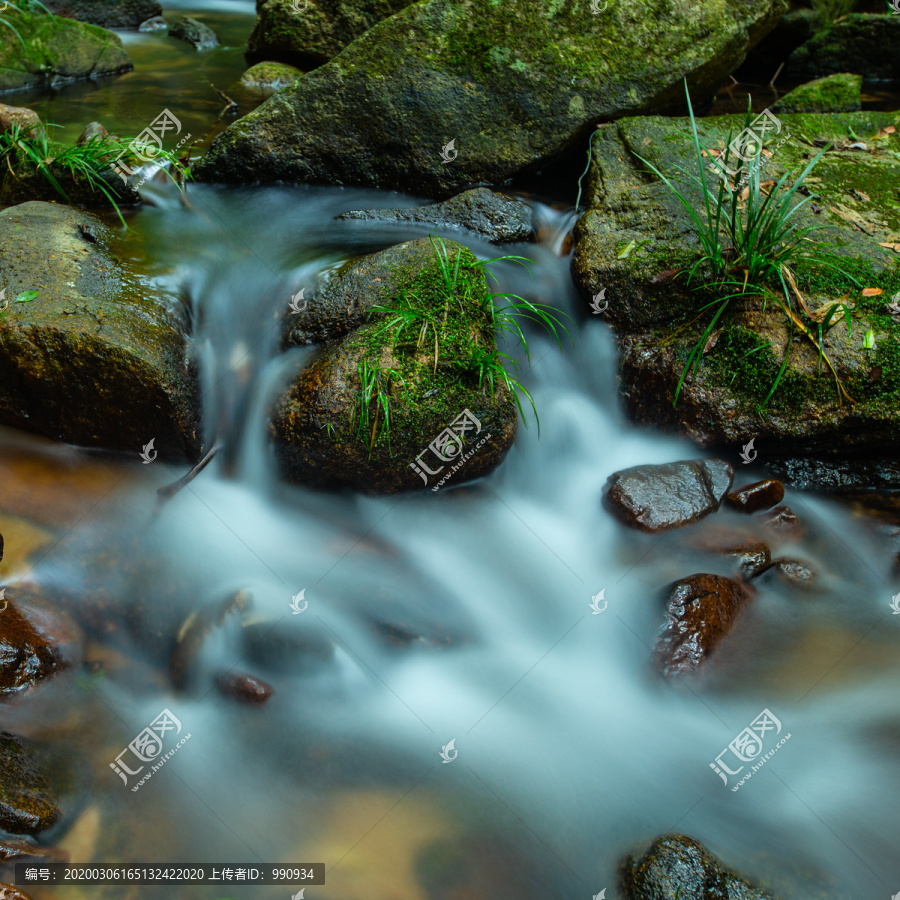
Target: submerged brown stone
x,y
760,495
244,687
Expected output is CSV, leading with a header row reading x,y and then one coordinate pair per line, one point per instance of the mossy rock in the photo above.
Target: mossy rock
x,y
106,13
314,35
831,94
514,85
98,358
658,319
56,51
26,804
270,76
326,435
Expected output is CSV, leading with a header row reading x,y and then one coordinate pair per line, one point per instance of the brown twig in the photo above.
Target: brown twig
x,y
166,493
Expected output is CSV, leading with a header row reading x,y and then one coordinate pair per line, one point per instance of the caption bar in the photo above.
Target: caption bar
x,y
193,873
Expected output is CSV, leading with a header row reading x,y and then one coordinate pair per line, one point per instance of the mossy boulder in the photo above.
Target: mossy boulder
x,y
106,13
194,32
313,35
833,93
866,44
26,803
386,410
56,51
636,236
270,76
513,85
98,357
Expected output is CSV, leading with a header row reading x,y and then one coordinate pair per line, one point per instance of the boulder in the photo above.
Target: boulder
x,y
701,611
244,687
512,85
157,23
107,13
679,866
311,35
98,357
26,803
760,495
27,119
270,75
56,51
657,498
91,130
868,45
389,409
832,94
194,32
499,219
636,241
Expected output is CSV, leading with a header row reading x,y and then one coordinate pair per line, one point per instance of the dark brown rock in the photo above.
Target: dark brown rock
x,y
8,892
782,519
244,687
657,498
26,805
26,654
700,612
793,572
679,866
760,495
91,130
751,556
13,849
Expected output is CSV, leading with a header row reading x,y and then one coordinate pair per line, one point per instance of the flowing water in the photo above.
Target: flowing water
x,y
462,615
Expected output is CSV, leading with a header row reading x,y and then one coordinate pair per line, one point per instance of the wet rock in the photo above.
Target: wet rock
x,y
106,13
444,417
91,130
679,866
657,498
499,219
868,45
194,32
56,51
244,687
317,34
27,656
701,611
751,556
760,495
156,23
27,119
793,572
834,93
26,803
783,519
10,892
548,76
14,849
98,358
270,75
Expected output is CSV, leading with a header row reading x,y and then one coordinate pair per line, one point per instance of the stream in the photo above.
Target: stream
x,y
463,615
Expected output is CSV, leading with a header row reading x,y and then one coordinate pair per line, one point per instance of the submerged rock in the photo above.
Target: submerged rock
x,y
657,498
752,498
499,219
56,51
833,94
485,90
26,803
270,75
194,32
793,572
107,13
157,23
782,519
317,32
752,557
97,357
701,611
244,687
679,866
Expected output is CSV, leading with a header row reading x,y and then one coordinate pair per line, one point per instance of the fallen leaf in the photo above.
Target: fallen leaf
x,y
853,217
890,129
895,247
664,277
711,342
860,195
872,292
26,297
711,152
857,145
626,251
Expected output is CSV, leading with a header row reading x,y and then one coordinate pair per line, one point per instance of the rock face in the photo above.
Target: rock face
x,y
499,219
201,36
700,612
270,75
512,85
760,495
56,51
655,313
319,32
390,409
657,498
27,119
26,655
26,805
832,94
107,13
679,866
97,358
868,45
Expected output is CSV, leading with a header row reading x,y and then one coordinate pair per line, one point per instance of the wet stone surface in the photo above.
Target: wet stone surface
x,y
757,496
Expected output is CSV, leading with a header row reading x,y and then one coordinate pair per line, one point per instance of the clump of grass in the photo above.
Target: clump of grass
x,y
751,239
375,387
